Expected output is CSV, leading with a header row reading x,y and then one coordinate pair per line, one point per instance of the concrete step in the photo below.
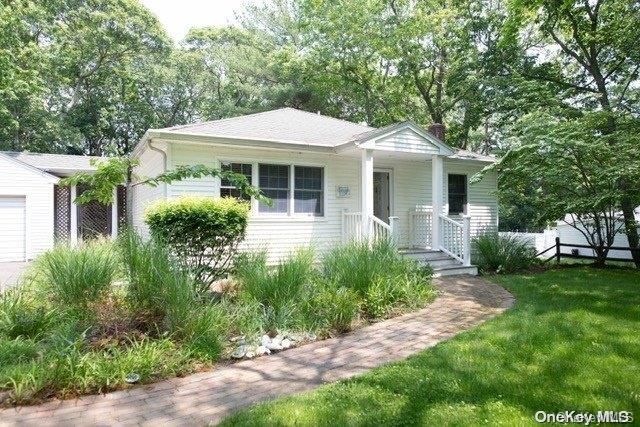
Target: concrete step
x,y
454,271
442,264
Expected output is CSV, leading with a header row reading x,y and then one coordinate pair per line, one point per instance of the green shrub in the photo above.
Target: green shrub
x,y
279,290
203,232
493,253
78,275
382,279
205,332
157,286
21,316
331,308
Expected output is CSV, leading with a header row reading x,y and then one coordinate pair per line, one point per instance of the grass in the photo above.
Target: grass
x,y
97,315
570,343
493,253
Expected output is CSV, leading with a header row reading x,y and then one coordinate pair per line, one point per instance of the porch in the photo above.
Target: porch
x,y
421,227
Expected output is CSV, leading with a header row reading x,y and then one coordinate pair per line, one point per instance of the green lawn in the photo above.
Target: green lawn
x,y
572,342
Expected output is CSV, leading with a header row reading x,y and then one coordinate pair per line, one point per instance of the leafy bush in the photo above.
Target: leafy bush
x,y
20,316
493,253
157,287
203,232
381,278
280,290
78,275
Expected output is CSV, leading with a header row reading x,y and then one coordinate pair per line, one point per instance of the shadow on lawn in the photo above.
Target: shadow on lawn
x,y
570,343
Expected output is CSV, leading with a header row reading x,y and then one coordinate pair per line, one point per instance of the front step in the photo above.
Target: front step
x,y
442,264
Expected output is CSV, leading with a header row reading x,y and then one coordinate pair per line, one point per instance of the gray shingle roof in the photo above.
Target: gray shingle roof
x,y
53,162
284,124
470,155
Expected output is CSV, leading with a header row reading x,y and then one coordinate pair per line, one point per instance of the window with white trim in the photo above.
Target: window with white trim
x,y
457,192
308,190
227,189
273,181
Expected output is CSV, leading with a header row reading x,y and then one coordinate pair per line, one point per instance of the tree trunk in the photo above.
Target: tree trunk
x,y
631,229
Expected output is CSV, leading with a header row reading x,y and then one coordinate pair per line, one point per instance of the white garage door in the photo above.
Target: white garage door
x,y
12,228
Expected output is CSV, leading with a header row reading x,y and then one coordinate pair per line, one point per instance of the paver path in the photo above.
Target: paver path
x,y
463,302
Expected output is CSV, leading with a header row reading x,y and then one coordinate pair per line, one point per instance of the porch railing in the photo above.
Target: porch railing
x,y
420,223
454,238
352,227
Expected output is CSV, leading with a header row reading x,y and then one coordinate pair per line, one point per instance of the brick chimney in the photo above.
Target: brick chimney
x,y
437,129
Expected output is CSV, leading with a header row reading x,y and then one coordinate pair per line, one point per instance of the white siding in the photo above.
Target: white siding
x,y
283,234
37,189
482,203
151,165
411,188
407,141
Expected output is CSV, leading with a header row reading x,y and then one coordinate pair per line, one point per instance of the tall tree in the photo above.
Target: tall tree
x,y
587,52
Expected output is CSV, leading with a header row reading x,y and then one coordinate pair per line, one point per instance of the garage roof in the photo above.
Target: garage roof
x,y
58,164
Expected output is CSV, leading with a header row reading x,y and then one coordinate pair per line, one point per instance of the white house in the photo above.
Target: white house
x,y
35,211
332,180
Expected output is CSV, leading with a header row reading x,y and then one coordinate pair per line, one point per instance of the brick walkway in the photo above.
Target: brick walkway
x,y
207,397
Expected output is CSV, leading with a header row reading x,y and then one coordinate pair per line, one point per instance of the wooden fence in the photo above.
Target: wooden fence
x,y
559,254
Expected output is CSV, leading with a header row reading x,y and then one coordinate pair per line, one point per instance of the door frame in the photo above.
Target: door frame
x,y
391,188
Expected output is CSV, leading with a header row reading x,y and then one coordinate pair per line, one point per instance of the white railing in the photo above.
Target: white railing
x,y
352,227
454,238
378,229
420,223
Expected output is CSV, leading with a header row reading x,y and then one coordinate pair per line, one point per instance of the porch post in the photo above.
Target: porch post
x,y
466,240
436,199
366,190
73,216
114,213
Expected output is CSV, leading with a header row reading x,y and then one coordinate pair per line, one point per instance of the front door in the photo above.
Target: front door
x,y
382,195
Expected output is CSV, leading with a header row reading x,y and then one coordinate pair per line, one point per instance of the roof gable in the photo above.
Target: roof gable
x,y
405,137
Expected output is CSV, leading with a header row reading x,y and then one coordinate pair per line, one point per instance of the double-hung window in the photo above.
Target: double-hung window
x,y
273,181
457,185
309,190
227,189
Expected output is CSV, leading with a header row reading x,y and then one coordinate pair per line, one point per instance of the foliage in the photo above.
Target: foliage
x,y
278,291
331,308
22,317
78,275
576,173
158,288
203,232
493,253
114,171
571,331
381,278
204,332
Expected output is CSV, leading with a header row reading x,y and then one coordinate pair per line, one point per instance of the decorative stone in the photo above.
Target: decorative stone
x,y
265,340
239,352
250,354
132,378
237,338
273,346
262,350
286,343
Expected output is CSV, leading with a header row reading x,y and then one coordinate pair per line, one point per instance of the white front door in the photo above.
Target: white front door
x,y
382,194
12,228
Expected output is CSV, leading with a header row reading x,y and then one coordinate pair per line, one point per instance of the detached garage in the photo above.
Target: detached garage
x,y
35,212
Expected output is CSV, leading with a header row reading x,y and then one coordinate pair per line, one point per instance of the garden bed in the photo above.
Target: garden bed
x,y
108,315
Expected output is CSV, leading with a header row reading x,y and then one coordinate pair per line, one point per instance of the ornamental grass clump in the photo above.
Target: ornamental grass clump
x,y
382,279
279,291
493,253
76,276
202,232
